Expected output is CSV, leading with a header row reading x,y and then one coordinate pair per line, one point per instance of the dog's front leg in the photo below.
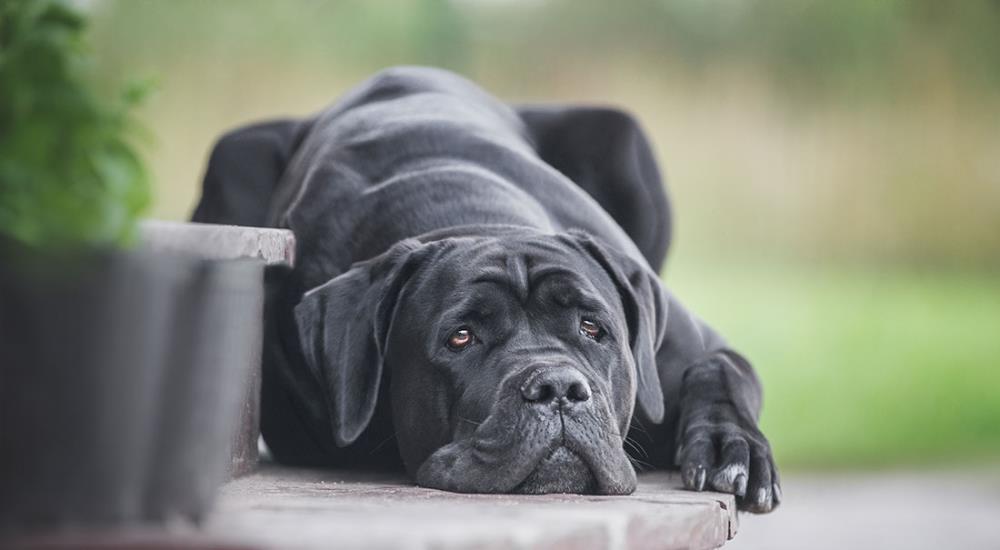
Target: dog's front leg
x,y
713,402
719,445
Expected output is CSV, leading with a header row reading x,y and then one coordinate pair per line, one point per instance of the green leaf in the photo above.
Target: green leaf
x,y
69,175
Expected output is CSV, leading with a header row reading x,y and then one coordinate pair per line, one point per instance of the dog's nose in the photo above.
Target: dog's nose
x,y
548,385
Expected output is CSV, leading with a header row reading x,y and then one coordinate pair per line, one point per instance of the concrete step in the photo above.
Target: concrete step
x,y
312,509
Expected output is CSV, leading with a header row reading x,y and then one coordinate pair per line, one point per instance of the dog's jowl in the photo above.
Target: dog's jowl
x,y
476,298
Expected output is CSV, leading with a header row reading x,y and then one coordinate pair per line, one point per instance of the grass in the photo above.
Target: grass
x,y
862,367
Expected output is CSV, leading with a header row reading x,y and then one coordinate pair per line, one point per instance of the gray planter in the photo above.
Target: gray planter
x,y
218,325
121,376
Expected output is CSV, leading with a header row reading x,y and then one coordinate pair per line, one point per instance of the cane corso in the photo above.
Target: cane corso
x,y
476,298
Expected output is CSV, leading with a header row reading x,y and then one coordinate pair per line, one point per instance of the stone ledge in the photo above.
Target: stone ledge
x,y
306,509
223,242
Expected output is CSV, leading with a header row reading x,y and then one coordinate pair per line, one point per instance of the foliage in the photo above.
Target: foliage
x,y
68,174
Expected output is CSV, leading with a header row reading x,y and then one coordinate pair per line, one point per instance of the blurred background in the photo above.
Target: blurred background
x,y
834,168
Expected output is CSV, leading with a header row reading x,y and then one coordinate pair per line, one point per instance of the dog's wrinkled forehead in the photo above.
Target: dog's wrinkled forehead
x,y
518,265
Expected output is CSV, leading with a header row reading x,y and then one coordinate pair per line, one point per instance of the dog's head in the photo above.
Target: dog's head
x,y
513,363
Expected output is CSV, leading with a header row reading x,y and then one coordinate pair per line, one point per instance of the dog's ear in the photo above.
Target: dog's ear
x,y
605,151
343,326
243,171
645,305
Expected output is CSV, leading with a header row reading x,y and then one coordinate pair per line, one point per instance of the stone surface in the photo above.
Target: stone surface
x,y
907,509
307,509
274,246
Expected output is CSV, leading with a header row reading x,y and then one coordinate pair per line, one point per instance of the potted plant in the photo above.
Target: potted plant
x,y
121,367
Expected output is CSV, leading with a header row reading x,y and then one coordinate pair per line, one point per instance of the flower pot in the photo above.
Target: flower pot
x,y
120,377
217,335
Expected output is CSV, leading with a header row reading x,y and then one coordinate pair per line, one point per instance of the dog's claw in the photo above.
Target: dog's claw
x,y
776,491
761,501
740,485
694,477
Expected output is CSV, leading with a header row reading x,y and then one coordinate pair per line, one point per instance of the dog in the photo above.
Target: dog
x,y
476,298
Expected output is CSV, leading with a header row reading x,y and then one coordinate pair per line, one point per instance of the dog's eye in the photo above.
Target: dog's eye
x,y
591,329
460,338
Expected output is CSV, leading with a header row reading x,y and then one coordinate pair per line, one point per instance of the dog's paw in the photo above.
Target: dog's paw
x,y
720,452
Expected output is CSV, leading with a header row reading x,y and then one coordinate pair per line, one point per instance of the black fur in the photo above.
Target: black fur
x,y
421,206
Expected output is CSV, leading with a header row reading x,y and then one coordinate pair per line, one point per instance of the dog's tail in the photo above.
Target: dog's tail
x,y
244,170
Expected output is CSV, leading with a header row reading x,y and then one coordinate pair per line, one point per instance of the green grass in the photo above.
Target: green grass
x,y
862,367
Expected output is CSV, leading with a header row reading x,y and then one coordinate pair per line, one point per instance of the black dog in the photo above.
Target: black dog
x,y
474,293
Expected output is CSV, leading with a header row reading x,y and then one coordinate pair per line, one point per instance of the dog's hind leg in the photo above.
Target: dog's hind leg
x,y
243,171
605,152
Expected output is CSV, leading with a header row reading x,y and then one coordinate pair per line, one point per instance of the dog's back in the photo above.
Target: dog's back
x,y
420,150
414,150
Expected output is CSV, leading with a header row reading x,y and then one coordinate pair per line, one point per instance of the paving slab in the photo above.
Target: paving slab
x,y
311,509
